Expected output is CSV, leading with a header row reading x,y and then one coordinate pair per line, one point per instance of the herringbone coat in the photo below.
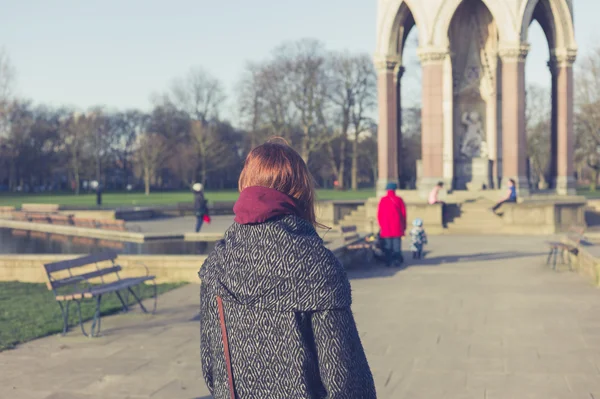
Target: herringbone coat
x,y
287,309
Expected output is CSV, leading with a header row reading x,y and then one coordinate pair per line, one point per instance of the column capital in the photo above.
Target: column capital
x,y
386,63
517,53
563,57
431,55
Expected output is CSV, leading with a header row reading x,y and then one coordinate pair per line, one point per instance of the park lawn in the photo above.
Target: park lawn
x,y
589,194
115,200
29,311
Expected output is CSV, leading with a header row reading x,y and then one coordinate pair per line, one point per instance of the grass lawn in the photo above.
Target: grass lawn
x,y
113,200
589,194
29,311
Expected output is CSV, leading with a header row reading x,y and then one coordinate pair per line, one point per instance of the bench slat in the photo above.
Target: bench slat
x,y
56,284
349,229
78,262
353,237
105,288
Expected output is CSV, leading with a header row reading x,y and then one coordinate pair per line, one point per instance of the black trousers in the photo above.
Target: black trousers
x,y
499,204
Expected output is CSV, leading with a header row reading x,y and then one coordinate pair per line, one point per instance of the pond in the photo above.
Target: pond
x,y
13,241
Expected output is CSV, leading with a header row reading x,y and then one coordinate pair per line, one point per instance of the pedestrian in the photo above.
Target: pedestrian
x,y
418,238
391,215
435,193
275,302
434,199
200,206
511,195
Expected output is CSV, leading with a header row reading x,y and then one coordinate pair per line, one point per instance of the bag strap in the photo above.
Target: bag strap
x,y
226,346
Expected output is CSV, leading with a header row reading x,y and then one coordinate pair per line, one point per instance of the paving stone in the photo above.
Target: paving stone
x,y
481,327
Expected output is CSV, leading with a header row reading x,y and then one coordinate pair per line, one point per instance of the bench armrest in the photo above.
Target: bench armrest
x,y
145,267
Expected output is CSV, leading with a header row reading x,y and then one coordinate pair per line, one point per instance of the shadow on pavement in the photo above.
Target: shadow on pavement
x,y
473,258
378,270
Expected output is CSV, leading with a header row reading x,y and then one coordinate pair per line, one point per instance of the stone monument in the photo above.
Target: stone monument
x,y
473,55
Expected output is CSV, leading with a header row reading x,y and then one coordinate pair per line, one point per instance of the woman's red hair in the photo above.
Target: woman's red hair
x,y
276,165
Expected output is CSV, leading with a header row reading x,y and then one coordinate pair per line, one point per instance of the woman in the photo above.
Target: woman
x,y
200,207
510,197
286,329
391,215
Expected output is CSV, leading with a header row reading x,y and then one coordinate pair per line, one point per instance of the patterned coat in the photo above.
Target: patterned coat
x,y
287,310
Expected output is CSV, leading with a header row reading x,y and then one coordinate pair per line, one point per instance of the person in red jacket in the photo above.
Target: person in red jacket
x,y
391,215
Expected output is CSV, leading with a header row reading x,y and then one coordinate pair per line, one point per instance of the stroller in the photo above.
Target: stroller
x,y
376,243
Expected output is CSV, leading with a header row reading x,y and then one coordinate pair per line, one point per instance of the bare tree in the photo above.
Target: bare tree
x,y
251,102
304,63
124,130
150,154
587,113
199,94
279,114
352,93
75,131
538,119
7,82
212,151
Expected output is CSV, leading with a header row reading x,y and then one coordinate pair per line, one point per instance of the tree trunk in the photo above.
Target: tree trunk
x,y
147,181
594,180
355,163
342,168
304,152
203,171
76,175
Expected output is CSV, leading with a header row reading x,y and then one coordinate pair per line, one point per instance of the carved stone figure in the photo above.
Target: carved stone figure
x,y
472,140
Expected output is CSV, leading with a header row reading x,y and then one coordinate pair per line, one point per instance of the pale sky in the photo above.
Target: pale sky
x,y
117,52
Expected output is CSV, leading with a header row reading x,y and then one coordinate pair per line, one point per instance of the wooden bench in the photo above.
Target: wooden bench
x,y
221,208
20,216
6,211
38,217
45,208
116,225
185,207
61,220
353,242
569,246
84,222
92,283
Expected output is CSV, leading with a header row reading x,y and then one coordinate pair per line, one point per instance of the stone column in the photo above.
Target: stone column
x,y
448,157
399,72
432,117
551,173
565,135
514,139
387,133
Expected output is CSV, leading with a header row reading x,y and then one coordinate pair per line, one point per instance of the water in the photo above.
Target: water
x,y
32,242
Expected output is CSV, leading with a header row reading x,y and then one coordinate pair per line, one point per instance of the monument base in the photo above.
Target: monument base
x,y
473,174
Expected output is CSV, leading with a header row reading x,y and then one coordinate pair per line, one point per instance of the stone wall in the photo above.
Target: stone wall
x,y
543,217
167,269
430,214
330,213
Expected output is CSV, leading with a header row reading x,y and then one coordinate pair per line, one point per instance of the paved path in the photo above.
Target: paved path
x,y
479,318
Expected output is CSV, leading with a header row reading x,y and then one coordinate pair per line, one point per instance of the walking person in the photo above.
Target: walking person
x,y
275,302
391,216
418,238
511,195
200,205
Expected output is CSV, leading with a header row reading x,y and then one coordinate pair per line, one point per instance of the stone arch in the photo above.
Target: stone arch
x,y
558,25
499,10
395,16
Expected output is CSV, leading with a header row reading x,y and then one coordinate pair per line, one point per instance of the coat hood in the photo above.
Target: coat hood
x,y
259,204
280,265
